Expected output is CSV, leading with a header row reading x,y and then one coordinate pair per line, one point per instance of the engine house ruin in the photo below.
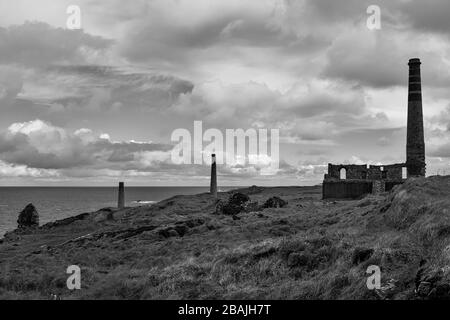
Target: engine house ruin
x,y
354,181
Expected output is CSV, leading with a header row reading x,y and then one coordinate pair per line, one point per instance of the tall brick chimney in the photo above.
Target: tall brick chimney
x,y
415,145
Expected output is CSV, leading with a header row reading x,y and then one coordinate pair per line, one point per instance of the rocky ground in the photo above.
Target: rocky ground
x,y
193,247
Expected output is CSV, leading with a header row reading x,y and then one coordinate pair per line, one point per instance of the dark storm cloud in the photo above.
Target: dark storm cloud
x,y
430,16
377,58
335,10
213,35
104,88
369,68
381,62
332,102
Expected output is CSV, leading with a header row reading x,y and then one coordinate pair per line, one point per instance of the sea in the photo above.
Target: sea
x,y
55,203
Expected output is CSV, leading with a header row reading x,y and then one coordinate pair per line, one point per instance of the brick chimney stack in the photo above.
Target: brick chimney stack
x,y
415,145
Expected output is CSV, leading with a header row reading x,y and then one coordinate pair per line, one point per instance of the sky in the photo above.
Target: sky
x,y
98,105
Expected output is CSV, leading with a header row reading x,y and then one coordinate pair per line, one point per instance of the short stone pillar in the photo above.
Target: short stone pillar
x,y
213,188
121,199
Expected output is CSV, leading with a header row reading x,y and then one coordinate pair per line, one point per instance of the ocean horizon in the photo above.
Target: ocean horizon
x,y
55,203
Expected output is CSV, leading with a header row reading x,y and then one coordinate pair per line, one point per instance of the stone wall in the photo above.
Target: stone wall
x,y
361,180
378,187
346,189
391,172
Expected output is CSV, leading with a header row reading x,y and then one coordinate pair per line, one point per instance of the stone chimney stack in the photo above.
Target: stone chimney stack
x,y
121,199
213,189
415,145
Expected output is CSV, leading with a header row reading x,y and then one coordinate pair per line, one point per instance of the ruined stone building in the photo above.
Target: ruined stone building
x,y
354,181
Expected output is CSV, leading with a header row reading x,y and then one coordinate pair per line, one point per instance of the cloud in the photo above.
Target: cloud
x,y
77,89
11,83
37,149
442,151
37,144
312,111
37,44
431,16
310,68
13,170
195,37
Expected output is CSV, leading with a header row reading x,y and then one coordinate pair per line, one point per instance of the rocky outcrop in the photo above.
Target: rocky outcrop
x,y
251,190
240,202
28,218
67,221
180,228
238,199
361,254
105,214
433,283
252,207
255,190
235,205
219,207
275,202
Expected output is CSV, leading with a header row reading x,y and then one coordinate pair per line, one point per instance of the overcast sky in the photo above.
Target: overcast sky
x,y
98,105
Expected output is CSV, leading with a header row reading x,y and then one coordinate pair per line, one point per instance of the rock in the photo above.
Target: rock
x,y
238,199
361,254
192,223
364,203
106,214
168,233
255,190
297,260
275,202
252,207
433,283
219,207
441,291
67,221
235,205
11,236
213,226
424,289
173,233
181,229
388,290
28,218
232,209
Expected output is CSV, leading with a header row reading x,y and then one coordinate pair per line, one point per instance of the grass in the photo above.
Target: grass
x,y
303,251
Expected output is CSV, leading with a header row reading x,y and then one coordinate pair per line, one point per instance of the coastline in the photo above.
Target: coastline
x,y
54,203
180,248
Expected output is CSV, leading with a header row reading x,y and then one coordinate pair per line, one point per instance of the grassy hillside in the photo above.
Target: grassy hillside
x,y
180,249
